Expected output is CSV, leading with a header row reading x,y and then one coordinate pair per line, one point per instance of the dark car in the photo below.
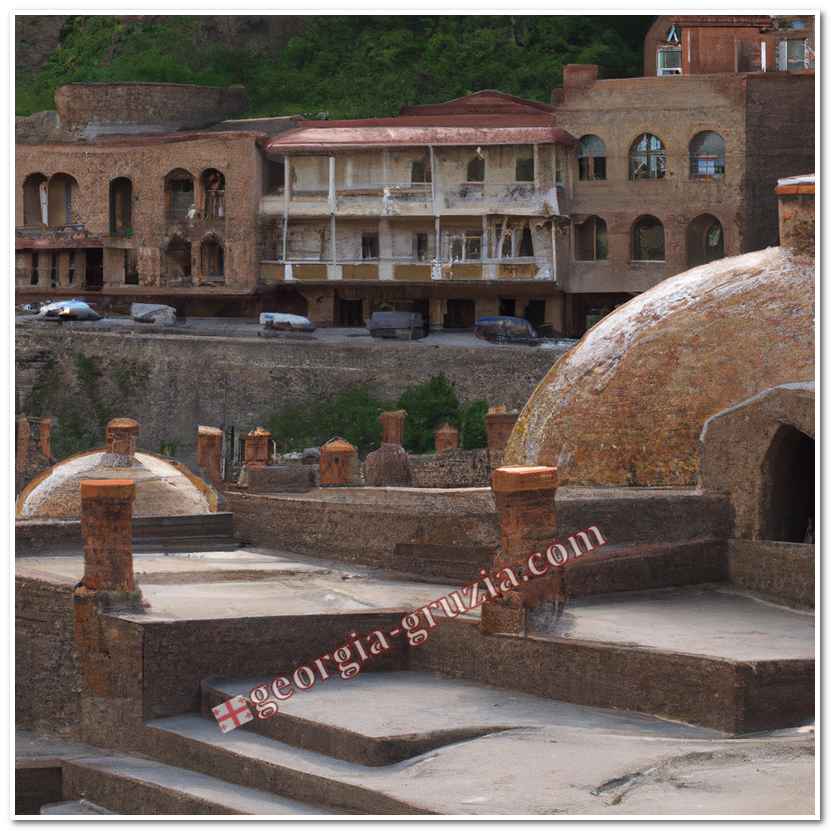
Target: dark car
x,y
400,325
505,329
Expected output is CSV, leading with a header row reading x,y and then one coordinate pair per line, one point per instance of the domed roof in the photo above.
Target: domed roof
x,y
163,487
627,404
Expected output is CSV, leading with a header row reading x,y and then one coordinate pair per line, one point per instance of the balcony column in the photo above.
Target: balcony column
x,y
536,168
333,207
286,200
553,250
488,269
385,264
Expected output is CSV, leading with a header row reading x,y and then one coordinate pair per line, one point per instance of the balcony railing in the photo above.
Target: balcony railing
x,y
52,232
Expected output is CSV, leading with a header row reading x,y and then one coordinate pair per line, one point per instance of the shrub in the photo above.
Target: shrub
x,y
474,434
428,405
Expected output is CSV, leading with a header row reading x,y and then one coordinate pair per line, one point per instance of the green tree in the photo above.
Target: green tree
x,y
474,435
428,405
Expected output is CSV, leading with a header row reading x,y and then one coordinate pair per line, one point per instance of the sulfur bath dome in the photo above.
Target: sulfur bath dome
x,y
163,487
626,405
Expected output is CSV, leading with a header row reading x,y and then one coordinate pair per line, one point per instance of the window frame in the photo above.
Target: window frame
x,y
648,154
632,233
594,219
587,163
374,245
664,71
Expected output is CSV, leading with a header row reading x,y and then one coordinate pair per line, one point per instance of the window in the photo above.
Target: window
x,y
62,192
591,158
131,277
473,247
590,240
35,200
669,60
213,257
647,158
121,205
706,156
648,239
53,271
525,169
526,243
705,240
422,251
420,173
71,270
369,246
793,55
275,176
507,242
213,187
179,194
34,275
465,245
476,169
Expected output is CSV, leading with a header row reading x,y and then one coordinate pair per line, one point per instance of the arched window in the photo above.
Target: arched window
x,y
121,206
63,194
213,186
591,158
177,259
647,158
706,155
648,239
476,169
705,240
212,257
526,243
590,239
35,202
178,188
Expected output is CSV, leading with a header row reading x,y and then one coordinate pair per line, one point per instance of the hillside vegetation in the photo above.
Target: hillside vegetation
x,y
340,66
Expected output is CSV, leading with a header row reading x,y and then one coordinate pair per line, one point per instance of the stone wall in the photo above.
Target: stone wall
x,y
451,469
47,677
171,385
782,571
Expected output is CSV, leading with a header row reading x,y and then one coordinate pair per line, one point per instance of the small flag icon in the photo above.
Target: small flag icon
x,y
232,713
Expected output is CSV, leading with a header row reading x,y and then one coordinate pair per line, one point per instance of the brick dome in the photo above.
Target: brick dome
x,y
627,404
163,487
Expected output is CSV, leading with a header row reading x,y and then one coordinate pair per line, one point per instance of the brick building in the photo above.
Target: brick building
x,y
482,205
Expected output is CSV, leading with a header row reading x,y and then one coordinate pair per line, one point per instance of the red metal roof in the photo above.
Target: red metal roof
x,y
483,118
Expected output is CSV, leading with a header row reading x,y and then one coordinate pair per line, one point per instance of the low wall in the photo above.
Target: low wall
x,y
451,469
782,571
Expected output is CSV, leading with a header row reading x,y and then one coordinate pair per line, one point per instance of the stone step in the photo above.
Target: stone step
x,y
243,757
74,806
380,718
132,785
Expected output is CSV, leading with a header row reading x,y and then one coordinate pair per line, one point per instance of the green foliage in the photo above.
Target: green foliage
x,y
346,66
428,405
474,434
352,414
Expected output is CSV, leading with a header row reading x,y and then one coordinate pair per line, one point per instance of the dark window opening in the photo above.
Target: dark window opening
x,y
535,313
505,251
131,276
461,314
177,259
61,198
35,200
507,306
420,172
121,206
275,176
590,240
525,169
526,243
705,240
179,195
647,158
53,271
71,270
94,278
476,169
788,503
213,258
648,239
34,274
473,247
422,247
369,246
350,312
591,158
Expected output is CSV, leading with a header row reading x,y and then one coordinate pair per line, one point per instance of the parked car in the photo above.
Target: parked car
x,y
400,325
283,322
505,329
74,309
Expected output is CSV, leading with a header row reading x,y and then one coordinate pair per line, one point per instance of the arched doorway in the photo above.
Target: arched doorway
x,y
788,481
63,194
177,261
705,240
212,257
178,189
213,187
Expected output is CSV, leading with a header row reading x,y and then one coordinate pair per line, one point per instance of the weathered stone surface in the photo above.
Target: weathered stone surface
x,y
446,438
627,404
153,313
291,478
209,452
338,463
107,527
388,465
392,425
257,448
451,469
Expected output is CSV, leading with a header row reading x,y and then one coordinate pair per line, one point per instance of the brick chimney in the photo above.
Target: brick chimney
x,y
257,448
446,438
209,452
796,214
121,436
392,424
578,77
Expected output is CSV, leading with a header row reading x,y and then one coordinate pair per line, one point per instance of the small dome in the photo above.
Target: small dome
x,y
163,487
626,405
